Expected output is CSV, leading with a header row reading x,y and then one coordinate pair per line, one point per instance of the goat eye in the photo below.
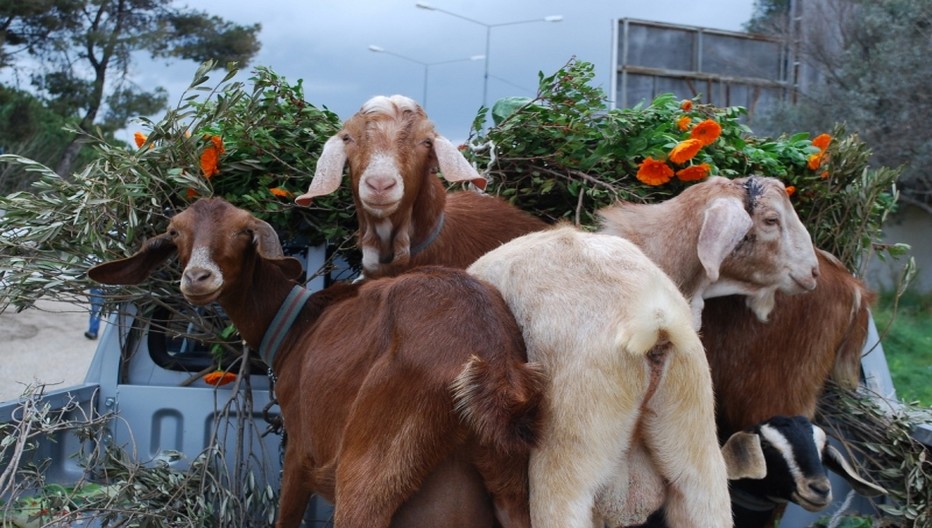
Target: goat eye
x,y
428,143
347,138
772,221
173,233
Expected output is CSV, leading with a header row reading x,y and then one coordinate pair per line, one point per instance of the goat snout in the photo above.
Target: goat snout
x,y
200,285
814,494
807,283
380,184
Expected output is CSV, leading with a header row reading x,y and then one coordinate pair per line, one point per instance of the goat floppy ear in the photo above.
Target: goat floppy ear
x,y
744,457
837,463
265,239
135,269
724,224
453,165
329,171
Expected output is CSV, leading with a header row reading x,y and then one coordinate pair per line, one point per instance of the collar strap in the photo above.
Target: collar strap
x,y
750,501
431,237
281,324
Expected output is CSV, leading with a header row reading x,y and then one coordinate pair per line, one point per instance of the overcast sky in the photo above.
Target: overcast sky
x,y
326,43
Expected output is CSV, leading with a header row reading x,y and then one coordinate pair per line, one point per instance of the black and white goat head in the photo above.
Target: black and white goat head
x,y
796,456
778,461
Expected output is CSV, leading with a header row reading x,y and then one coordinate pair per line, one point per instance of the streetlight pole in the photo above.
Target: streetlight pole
x,y
426,65
488,37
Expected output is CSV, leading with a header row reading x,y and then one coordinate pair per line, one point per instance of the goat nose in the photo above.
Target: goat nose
x,y
198,275
815,272
381,184
820,487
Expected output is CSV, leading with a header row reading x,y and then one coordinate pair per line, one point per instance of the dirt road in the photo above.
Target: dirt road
x,y
45,343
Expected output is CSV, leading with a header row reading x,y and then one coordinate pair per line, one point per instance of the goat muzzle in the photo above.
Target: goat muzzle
x,y
200,285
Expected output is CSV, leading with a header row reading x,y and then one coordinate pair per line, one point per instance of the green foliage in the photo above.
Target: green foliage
x,y
271,137
221,486
879,435
868,59
564,154
87,51
907,344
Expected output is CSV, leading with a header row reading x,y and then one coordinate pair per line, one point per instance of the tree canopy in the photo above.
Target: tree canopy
x,y
872,71
76,55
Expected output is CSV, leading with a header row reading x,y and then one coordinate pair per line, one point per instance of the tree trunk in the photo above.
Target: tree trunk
x,y
68,157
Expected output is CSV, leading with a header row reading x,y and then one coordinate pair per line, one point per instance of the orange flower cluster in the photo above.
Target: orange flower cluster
x,y
706,132
210,158
694,172
140,139
219,377
657,172
685,150
790,190
815,160
654,172
683,123
281,193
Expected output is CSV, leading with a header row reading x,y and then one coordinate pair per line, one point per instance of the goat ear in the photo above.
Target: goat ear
x,y
329,171
135,269
744,457
724,224
453,165
837,463
265,239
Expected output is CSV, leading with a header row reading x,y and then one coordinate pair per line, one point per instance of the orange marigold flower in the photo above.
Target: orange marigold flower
x,y
210,158
790,190
209,161
654,172
139,138
824,175
191,194
217,142
693,172
686,105
685,150
219,377
706,132
822,141
683,123
814,161
281,193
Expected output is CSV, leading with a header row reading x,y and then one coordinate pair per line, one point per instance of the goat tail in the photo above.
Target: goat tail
x,y
501,404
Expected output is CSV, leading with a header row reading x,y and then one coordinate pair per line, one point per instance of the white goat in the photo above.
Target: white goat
x,y
628,385
723,237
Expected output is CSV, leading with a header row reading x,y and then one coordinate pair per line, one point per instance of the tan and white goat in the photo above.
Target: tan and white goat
x,y
628,392
723,237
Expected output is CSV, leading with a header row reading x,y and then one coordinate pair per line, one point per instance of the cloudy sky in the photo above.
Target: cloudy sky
x,y
326,43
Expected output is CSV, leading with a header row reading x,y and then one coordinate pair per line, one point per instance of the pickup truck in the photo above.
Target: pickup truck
x,y
159,415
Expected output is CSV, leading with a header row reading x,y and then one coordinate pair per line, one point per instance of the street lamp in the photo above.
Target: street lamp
x,y
426,65
488,36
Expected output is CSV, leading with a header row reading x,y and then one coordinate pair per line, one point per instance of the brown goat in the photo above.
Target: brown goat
x,y
380,383
406,217
723,237
760,370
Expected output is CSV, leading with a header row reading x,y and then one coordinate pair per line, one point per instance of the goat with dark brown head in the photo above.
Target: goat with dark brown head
x,y
379,383
406,217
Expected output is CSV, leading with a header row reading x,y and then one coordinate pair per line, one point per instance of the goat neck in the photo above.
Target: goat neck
x,y
652,227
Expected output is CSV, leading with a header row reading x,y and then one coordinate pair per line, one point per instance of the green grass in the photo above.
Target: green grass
x,y
907,345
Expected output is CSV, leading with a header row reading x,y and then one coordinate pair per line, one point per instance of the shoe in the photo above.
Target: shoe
x,y
90,335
